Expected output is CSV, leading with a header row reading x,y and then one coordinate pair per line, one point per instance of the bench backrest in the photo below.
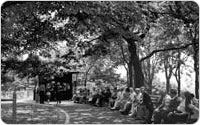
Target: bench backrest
x,y
155,99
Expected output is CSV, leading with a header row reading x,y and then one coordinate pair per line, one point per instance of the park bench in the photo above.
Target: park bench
x,y
155,99
189,120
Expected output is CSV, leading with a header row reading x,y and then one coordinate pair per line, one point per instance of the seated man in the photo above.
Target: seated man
x,y
95,96
107,96
145,108
104,97
160,112
87,96
100,97
160,116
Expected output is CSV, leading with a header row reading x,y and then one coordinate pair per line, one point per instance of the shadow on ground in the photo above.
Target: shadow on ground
x,y
86,114
30,114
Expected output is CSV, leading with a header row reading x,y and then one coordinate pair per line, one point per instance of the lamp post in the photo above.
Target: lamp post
x,y
14,116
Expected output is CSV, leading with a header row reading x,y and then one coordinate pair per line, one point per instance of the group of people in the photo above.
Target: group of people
x,y
133,102
50,91
96,96
137,103
176,109
81,95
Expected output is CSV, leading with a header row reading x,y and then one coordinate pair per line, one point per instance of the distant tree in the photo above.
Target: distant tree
x,y
187,14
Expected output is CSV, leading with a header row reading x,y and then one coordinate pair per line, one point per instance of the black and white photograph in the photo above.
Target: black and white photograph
x,y
99,62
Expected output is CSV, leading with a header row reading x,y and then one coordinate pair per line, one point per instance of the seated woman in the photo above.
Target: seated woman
x,y
119,97
121,102
90,98
184,110
92,95
135,102
127,107
113,97
161,111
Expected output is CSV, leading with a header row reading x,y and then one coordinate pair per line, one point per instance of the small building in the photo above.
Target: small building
x,y
68,81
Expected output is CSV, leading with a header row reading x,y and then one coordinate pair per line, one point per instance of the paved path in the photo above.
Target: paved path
x,y
68,112
87,114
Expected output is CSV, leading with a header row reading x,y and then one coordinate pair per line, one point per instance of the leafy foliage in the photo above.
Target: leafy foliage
x,y
123,32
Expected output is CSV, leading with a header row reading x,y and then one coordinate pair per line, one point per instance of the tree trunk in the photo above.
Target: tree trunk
x,y
167,84
151,75
85,82
179,73
195,42
138,74
150,87
167,76
179,82
130,84
168,73
148,71
196,69
129,80
127,75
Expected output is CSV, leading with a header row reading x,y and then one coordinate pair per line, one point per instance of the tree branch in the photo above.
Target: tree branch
x,y
166,49
122,50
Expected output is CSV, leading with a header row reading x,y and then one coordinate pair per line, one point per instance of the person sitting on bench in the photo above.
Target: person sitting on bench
x,y
121,102
184,110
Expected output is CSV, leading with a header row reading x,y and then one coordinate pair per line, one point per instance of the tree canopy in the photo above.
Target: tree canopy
x,y
130,33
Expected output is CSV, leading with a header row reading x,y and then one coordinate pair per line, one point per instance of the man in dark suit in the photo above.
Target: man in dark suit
x,y
161,113
145,105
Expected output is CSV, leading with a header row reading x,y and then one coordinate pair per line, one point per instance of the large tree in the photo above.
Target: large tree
x,y
30,26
